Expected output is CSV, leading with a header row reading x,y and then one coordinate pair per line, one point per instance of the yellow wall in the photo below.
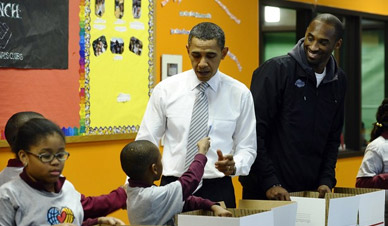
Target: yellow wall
x,y
94,167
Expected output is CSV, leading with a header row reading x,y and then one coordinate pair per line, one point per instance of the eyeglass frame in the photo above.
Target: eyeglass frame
x,y
51,155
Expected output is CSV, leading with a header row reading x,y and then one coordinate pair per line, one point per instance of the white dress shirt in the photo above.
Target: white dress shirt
x,y
231,118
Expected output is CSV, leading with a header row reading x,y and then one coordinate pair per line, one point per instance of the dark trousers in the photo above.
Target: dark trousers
x,y
248,194
217,189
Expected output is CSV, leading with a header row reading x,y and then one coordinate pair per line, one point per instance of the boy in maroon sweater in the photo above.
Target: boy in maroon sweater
x,y
141,161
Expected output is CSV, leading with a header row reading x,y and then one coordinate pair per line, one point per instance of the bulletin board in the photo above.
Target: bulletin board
x,y
116,66
97,94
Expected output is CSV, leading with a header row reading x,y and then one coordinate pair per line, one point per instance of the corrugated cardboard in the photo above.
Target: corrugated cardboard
x,y
241,217
284,212
371,207
336,209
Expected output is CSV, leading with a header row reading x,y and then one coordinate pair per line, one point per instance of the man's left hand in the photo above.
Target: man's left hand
x,y
323,189
225,164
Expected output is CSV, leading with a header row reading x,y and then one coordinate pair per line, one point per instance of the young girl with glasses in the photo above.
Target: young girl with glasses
x,y
41,196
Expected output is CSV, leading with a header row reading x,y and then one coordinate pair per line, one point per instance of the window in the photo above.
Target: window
x,y
279,36
372,72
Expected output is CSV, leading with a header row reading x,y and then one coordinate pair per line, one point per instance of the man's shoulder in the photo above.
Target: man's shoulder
x,y
230,81
341,73
280,60
277,67
177,77
174,81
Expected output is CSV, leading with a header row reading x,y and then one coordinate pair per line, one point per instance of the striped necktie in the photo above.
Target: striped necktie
x,y
198,125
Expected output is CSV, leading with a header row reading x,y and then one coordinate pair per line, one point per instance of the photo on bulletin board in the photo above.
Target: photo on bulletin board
x,y
171,65
118,64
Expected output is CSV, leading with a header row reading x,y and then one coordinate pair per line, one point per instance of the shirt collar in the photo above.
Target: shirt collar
x,y
213,82
385,134
15,163
137,183
39,185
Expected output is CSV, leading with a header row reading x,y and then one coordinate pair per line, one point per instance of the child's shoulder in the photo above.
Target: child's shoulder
x,y
154,192
14,189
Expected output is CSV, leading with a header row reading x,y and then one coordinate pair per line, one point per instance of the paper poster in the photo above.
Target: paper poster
x,y
119,64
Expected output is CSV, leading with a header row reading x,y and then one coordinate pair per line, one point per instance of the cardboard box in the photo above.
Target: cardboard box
x,y
371,206
336,209
284,212
241,217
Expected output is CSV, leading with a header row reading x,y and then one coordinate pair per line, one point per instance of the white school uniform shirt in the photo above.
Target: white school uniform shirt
x,y
154,205
9,173
375,159
20,204
231,117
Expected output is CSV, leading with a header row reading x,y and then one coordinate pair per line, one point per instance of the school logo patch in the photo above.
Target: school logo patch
x,y
299,83
58,216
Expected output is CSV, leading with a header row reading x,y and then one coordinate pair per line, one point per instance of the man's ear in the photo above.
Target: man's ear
x,y
23,157
224,52
338,44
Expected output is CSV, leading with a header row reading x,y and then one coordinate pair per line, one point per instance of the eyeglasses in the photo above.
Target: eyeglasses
x,y
45,157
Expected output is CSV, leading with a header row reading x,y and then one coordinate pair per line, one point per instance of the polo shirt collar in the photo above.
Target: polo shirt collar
x,y
15,163
39,185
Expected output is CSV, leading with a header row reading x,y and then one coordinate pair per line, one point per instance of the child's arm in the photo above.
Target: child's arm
x,y
103,205
195,203
191,178
378,181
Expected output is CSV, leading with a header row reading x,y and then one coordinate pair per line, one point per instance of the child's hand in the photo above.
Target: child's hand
x,y
204,145
220,212
110,221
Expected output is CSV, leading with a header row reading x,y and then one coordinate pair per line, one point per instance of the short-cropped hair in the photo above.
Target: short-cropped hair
x,y
137,156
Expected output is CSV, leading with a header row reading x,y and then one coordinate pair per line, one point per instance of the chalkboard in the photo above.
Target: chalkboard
x,y
98,93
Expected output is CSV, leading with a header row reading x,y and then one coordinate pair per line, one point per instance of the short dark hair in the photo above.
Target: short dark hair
x,y
137,156
208,31
15,122
33,131
332,20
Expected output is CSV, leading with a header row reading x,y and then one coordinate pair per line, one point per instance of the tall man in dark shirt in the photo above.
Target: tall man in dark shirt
x,y
299,106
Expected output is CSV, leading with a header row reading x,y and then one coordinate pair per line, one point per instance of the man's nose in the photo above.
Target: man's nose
x,y
202,62
314,46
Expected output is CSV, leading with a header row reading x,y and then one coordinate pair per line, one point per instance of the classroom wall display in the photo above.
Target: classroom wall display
x,y
116,64
171,65
34,34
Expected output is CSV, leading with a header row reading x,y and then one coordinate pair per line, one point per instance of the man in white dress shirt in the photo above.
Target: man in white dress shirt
x,y
231,122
